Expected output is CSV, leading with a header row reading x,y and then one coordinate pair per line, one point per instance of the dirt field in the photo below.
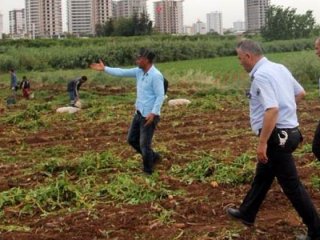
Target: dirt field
x,y
182,136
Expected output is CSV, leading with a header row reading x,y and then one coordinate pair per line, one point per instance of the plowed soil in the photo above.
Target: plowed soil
x,y
199,214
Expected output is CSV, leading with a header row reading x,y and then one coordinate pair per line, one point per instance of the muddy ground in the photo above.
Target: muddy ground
x,y
199,214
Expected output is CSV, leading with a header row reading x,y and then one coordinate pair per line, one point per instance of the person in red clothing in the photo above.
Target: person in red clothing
x,y
25,87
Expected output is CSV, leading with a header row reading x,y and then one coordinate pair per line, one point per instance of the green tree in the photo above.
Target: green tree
x,y
105,29
134,26
124,27
316,31
285,23
143,25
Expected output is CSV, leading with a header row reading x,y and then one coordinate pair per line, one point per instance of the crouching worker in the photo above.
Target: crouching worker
x,y
25,87
150,97
73,89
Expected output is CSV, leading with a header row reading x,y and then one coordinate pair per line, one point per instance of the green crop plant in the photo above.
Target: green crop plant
x,y
30,118
240,171
197,170
5,157
315,182
101,162
14,228
12,197
58,194
54,151
53,165
136,189
163,215
207,168
305,148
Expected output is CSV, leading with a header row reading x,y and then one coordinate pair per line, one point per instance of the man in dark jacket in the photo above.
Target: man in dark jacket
x,y
73,89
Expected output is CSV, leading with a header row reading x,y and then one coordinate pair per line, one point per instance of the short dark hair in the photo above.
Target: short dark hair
x,y
84,78
250,46
24,77
147,53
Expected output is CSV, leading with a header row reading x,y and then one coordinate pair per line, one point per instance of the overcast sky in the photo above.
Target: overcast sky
x,y
232,10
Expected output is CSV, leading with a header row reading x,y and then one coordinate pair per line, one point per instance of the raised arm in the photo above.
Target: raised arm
x,y
97,66
118,72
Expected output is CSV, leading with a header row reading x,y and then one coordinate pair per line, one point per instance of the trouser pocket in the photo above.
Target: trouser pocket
x,y
285,140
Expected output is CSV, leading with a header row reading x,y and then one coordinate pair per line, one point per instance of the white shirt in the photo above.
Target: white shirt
x,y
273,86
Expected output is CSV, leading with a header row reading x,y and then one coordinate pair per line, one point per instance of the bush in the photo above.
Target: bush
x,y
80,53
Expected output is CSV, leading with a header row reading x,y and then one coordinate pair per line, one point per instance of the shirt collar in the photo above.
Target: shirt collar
x,y
256,66
149,71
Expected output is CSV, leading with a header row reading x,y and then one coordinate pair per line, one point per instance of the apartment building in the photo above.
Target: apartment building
x,y
169,16
255,14
84,15
17,23
214,22
43,18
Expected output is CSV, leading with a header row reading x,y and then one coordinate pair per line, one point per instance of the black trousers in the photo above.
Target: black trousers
x,y
316,142
140,138
281,165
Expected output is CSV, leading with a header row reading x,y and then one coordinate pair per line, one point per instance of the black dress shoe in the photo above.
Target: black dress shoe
x,y
236,214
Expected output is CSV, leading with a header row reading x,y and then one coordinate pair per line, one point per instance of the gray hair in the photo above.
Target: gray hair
x,y
250,46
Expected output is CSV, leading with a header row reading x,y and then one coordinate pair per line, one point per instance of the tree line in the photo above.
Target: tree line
x,y
136,25
285,23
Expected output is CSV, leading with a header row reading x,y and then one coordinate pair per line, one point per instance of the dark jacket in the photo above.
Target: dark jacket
x,y
25,84
74,86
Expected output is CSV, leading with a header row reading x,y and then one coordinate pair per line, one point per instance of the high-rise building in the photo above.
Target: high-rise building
x,y
32,18
43,18
187,30
17,23
50,18
255,14
102,11
199,28
239,26
169,16
214,22
127,8
80,20
1,25
84,15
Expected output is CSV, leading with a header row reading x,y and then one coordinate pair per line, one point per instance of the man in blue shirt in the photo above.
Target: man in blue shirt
x,y
316,139
273,96
150,97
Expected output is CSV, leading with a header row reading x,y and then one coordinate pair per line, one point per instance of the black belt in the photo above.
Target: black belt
x,y
288,130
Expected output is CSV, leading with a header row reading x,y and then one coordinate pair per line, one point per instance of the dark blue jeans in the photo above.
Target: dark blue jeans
x,y
72,97
140,138
281,165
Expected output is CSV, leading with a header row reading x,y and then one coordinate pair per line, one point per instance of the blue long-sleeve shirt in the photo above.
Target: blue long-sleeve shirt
x,y
150,88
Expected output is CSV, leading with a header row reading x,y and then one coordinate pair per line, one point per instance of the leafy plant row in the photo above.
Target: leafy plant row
x,y
123,52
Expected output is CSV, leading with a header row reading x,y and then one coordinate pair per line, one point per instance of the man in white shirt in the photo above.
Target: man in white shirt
x,y
273,96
